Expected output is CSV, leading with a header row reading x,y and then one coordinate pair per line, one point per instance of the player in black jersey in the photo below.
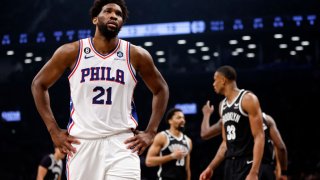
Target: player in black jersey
x,y
242,131
274,145
171,149
51,165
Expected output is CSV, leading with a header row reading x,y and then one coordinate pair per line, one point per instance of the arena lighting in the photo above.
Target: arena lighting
x,y
239,50
161,60
204,49
283,46
10,52
235,53
299,48
257,23
293,53
192,51
295,38
187,108
37,59
278,36
237,24
148,44
305,43
162,29
11,116
297,19
250,55
199,44
246,38
278,22
252,46
206,57
233,42
160,53
181,41
169,28
27,61
29,54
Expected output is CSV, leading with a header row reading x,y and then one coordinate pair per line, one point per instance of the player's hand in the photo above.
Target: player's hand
x,y
252,176
178,154
206,174
207,109
64,141
140,141
283,177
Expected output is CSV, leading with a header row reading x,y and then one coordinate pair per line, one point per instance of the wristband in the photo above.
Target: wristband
x,y
284,172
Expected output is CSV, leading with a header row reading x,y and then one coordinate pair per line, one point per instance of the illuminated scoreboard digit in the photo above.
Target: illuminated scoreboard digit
x,y
159,29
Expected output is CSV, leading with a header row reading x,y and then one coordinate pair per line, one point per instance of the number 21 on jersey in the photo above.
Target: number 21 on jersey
x,y
103,96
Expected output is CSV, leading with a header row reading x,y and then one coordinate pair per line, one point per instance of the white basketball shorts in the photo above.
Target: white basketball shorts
x,y
104,159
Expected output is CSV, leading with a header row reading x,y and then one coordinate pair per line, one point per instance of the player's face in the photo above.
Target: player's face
x,y
109,21
178,120
218,83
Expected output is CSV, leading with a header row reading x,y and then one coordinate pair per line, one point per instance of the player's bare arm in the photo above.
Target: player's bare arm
x,y
42,171
251,105
143,64
219,157
216,161
207,110
153,156
208,131
188,160
64,57
278,143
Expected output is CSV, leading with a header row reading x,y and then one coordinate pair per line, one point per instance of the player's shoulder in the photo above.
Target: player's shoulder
x,y
72,47
249,96
138,51
188,138
46,160
67,53
161,134
160,138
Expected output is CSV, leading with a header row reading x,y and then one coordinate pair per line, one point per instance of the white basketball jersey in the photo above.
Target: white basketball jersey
x,y
101,87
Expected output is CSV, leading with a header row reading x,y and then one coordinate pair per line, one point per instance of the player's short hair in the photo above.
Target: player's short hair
x,y
228,72
170,113
98,4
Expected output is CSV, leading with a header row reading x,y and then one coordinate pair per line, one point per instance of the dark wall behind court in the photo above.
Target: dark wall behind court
x,y
289,95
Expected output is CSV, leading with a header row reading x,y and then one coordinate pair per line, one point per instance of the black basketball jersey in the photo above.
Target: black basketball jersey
x,y
237,128
53,166
175,169
268,155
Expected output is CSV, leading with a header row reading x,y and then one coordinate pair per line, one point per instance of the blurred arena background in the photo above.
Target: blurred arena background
x,y
274,45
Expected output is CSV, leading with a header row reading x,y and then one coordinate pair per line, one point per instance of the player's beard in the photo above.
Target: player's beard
x,y
107,33
181,128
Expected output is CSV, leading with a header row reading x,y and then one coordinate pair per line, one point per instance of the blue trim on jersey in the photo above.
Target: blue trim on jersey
x,y
70,118
134,111
134,72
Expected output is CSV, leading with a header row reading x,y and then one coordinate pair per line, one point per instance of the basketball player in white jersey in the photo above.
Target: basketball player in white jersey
x,y
101,139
